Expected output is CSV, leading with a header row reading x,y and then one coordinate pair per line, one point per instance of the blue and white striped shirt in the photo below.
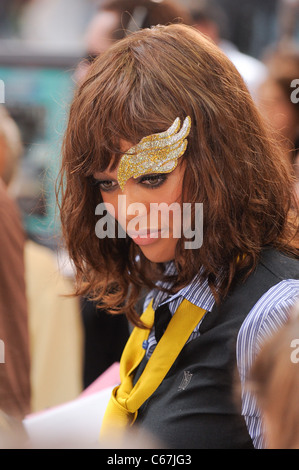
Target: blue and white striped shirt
x,y
268,314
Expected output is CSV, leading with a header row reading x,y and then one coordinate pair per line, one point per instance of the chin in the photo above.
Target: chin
x,y
155,255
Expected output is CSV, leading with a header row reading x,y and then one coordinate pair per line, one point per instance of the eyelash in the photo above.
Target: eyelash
x,y
100,183
161,177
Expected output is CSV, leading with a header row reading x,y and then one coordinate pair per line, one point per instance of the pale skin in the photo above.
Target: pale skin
x,y
146,189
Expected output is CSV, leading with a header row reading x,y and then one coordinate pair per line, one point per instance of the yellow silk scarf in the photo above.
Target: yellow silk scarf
x,y
126,399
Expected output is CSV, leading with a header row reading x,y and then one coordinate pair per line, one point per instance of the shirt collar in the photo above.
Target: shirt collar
x,y
197,292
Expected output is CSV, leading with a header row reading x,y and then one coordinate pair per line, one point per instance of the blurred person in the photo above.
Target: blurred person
x,y
274,380
56,330
54,323
114,20
281,60
117,18
274,102
186,131
15,389
210,19
277,100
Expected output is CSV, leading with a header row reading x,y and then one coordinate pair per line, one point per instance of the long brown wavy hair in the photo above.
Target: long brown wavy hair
x,y
137,88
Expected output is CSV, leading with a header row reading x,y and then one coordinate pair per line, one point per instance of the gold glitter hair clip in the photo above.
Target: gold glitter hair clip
x,y
156,153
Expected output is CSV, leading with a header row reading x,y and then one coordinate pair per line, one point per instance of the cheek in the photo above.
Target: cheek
x,y
166,208
169,194
110,202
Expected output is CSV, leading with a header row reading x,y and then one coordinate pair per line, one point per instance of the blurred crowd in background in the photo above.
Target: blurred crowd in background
x,y
46,47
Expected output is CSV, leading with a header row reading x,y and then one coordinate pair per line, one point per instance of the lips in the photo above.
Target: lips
x,y
145,237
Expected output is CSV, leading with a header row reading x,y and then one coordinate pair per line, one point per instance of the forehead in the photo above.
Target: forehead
x,y
112,166
124,145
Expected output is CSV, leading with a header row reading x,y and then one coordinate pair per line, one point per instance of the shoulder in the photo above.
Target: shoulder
x,y
281,265
269,313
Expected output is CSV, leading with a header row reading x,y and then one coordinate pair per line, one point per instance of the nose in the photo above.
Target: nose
x,y
131,207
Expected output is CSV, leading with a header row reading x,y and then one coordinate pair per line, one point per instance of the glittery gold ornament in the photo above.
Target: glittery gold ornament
x,y
156,153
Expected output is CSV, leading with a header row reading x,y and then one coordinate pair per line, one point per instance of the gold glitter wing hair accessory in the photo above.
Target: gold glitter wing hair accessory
x,y
156,153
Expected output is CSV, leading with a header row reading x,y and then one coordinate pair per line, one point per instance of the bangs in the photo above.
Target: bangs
x,y
113,129
124,106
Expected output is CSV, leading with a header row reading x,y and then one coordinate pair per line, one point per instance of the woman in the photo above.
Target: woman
x,y
219,296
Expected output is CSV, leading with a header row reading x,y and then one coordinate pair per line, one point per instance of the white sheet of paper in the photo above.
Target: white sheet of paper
x,y
75,424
